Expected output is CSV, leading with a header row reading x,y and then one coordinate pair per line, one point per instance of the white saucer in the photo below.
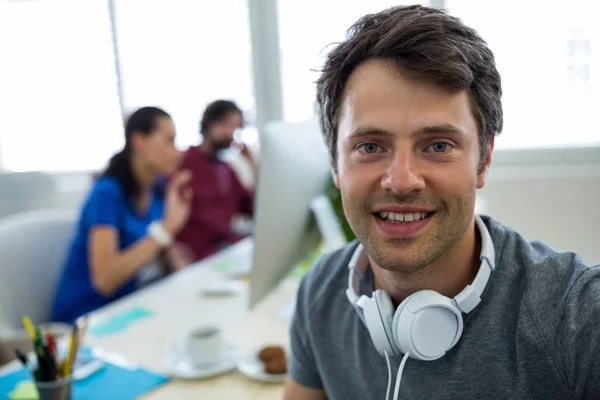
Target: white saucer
x,y
253,368
179,366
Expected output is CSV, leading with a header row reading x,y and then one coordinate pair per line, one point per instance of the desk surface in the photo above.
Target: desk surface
x,y
178,305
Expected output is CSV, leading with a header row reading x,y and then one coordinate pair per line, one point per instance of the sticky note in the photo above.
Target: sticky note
x,y
224,263
24,390
113,381
118,322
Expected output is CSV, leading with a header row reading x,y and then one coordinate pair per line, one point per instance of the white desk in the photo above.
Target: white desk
x,y
177,305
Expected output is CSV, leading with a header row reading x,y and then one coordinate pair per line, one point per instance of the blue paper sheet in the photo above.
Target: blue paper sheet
x,y
111,382
119,322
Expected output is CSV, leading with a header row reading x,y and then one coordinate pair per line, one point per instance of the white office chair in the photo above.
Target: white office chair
x,y
23,191
33,249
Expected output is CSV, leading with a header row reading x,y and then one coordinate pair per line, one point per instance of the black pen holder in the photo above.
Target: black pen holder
x,y
60,389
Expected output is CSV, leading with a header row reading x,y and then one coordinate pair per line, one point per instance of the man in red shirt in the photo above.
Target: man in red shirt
x,y
219,194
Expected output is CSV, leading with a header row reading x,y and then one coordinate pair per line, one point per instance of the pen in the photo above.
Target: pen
x,y
52,355
33,336
50,363
83,324
46,363
50,341
23,358
29,327
38,343
72,351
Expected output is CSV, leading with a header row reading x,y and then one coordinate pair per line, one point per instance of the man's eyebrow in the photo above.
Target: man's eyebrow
x,y
369,131
443,129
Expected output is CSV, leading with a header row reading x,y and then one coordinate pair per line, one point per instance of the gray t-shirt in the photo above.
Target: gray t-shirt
x,y
535,334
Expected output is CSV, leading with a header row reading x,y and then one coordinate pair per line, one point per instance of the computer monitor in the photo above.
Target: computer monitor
x,y
294,170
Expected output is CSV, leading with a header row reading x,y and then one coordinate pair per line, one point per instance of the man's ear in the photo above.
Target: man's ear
x,y
336,178
481,177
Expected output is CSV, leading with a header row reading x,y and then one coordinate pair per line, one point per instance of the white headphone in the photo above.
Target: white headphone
x,y
426,324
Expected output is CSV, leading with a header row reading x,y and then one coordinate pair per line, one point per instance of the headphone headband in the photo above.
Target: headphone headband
x,y
466,300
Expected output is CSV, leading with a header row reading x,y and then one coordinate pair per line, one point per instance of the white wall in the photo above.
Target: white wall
x,y
553,198
560,212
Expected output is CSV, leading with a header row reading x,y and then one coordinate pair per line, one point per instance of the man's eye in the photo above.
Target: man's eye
x,y
369,148
439,147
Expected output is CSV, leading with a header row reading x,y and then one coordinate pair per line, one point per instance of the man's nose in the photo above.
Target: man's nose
x,y
403,175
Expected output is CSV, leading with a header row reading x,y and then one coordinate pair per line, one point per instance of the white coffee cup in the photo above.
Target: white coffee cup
x,y
202,345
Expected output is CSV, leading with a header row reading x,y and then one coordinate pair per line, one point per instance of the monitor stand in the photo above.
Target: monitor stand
x,y
287,311
332,235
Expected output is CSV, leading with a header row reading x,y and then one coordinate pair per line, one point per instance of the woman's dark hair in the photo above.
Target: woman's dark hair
x,y
217,111
423,43
143,122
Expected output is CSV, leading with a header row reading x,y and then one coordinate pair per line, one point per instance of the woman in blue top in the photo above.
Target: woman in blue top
x,y
127,221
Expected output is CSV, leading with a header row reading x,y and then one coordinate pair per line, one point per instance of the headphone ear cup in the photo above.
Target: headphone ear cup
x,y
427,325
396,326
375,322
386,312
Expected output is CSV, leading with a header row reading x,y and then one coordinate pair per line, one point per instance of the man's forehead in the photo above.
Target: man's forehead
x,y
376,100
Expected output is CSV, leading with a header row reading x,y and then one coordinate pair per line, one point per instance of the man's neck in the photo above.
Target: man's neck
x,y
448,276
208,149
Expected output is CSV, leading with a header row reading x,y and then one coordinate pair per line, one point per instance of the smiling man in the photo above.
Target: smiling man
x,y
432,301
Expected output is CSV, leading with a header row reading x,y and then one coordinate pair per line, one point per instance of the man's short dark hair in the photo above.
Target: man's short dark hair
x,y
424,43
217,111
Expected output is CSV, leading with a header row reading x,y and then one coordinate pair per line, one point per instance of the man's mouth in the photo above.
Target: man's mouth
x,y
402,218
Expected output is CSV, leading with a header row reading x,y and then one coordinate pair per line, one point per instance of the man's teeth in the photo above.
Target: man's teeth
x,y
397,217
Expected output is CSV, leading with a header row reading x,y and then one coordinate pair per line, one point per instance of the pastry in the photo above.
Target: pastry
x,y
271,352
274,359
276,366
